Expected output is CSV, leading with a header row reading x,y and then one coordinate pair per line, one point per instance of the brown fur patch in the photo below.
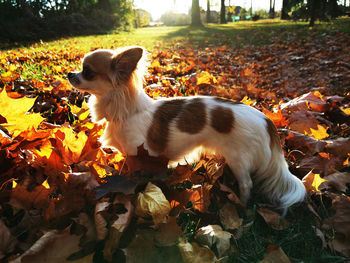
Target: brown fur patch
x,y
222,119
99,61
272,131
158,133
193,117
223,100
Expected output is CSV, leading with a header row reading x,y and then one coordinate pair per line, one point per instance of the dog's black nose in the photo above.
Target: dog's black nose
x,y
70,75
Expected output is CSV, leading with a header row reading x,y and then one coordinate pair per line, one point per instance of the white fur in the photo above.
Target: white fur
x,y
246,148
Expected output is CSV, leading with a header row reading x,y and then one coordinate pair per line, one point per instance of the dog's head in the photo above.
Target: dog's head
x,y
104,70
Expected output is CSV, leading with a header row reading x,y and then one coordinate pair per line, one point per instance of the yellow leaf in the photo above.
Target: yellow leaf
x,y
75,109
46,184
84,115
88,125
14,184
6,74
319,134
248,101
70,144
57,68
45,150
317,181
15,112
82,112
346,111
206,78
312,181
13,68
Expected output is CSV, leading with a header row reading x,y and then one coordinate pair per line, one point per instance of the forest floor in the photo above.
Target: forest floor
x,y
64,197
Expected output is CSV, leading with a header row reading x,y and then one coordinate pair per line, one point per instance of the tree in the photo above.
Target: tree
x,y
196,15
284,11
222,13
208,11
142,18
243,13
272,9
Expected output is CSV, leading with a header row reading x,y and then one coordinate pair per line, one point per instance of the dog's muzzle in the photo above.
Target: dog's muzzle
x,y
73,78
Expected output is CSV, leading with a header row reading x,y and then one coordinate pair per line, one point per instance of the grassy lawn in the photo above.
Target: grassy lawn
x,y
238,34
37,61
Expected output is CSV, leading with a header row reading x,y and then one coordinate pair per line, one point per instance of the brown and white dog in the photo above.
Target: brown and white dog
x,y
176,126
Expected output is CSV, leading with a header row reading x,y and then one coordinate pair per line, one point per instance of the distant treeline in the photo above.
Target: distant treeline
x,y
26,20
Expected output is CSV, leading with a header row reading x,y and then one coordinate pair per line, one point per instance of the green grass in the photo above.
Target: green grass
x,y
238,34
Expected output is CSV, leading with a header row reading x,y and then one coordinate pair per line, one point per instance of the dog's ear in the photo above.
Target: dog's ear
x,y
125,63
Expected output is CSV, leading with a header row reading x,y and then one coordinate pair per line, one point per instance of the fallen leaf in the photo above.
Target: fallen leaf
x,y
115,184
146,163
337,182
278,118
275,254
118,226
54,246
214,235
100,221
168,233
273,219
7,241
152,202
306,101
193,253
15,112
229,217
341,224
205,78
319,134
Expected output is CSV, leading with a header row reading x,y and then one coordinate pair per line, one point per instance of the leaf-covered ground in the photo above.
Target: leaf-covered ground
x,y
63,198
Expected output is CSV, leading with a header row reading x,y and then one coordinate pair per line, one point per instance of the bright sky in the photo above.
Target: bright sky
x,y
158,7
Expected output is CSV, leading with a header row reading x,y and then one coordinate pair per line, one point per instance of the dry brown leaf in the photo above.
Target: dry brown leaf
x,y
339,146
302,121
7,241
54,247
152,202
142,248
229,217
275,254
167,233
193,253
100,221
118,226
145,163
341,224
273,219
304,102
337,181
38,197
214,235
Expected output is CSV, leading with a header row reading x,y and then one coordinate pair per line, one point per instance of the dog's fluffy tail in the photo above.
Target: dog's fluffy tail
x,y
279,184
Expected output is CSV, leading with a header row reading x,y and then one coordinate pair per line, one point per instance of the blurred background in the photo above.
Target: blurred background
x,y
44,19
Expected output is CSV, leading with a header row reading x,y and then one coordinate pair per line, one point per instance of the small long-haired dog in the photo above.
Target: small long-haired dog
x,y
175,126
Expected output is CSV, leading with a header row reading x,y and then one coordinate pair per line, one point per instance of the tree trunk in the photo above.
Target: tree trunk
x,y
312,8
333,8
272,9
208,11
284,11
222,13
196,15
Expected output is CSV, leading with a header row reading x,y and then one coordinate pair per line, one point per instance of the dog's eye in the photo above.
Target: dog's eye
x,y
88,74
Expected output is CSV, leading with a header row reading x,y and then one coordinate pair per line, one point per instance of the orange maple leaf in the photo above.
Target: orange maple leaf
x,y
277,117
